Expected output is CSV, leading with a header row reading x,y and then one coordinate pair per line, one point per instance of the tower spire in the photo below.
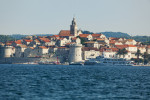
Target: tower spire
x,y
73,27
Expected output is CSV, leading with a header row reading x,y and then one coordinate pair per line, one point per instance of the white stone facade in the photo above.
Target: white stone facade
x,y
107,54
90,54
6,51
132,49
75,53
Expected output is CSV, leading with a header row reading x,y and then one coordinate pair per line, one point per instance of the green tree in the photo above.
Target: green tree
x,y
145,56
138,54
82,40
124,52
148,56
119,52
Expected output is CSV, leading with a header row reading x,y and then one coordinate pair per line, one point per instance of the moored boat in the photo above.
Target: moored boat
x,y
76,63
114,61
46,63
90,61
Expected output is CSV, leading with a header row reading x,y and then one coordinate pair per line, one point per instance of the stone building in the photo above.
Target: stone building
x,y
75,53
89,52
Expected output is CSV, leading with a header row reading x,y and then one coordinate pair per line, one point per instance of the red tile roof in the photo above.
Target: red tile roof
x,y
65,33
43,47
112,49
56,35
84,35
8,44
124,46
131,45
96,35
121,46
32,47
113,38
45,39
28,40
112,41
148,46
99,39
37,40
18,42
130,40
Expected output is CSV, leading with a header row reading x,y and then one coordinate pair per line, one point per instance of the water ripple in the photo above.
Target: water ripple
x,y
36,82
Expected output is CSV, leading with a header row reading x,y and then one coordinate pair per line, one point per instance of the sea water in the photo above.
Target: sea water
x,y
64,82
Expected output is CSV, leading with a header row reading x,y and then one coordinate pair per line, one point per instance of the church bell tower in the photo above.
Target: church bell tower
x,y
73,28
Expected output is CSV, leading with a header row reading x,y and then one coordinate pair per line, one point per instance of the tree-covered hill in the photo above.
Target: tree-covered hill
x,y
116,34
110,34
5,38
87,32
143,39
19,36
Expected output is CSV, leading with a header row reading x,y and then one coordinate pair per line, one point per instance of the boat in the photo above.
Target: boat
x,y
76,63
46,63
113,61
90,61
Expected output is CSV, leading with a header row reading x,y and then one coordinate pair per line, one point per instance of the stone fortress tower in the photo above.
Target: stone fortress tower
x,y
5,51
75,53
73,28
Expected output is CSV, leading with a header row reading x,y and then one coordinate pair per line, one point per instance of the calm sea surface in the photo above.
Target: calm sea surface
x,y
56,82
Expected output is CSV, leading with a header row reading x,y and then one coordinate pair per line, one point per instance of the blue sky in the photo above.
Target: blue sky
x,y
51,16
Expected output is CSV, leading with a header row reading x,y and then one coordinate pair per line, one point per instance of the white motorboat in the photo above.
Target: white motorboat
x,y
114,61
76,63
90,61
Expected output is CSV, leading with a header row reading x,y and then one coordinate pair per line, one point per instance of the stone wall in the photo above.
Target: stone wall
x,y
15,60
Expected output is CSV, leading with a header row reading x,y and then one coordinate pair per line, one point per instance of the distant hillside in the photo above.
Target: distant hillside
x,y
116,34
19,36
110,34
5,38
144,39
87,32
44,34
